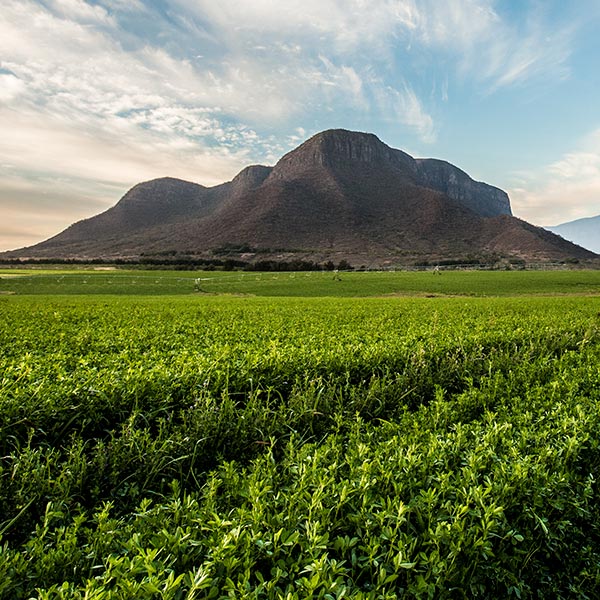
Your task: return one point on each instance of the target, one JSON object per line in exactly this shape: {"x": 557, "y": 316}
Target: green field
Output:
{"x": 306, "y": 284}
{"x": 287, "y": 436}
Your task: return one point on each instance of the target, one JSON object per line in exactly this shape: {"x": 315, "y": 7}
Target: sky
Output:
{"x": 98, "y": 95}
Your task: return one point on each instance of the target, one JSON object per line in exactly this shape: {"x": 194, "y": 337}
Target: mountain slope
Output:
{"x": 339, "y": 194}
{"x": 584, "y": 232}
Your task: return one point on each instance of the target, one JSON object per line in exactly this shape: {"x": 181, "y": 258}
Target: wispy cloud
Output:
{"x": 490, "y": 48}
{"x": 403, "y": 106}
{"x": 533, "y": 55}
{"x": 83, "y": 79}
{"x": 343, "y": 26}
{"x": 10, "y": 87}
{"x": 81, "y": 11}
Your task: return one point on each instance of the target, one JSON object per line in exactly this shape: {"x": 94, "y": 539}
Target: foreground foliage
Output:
{"x": 298, "y": 448}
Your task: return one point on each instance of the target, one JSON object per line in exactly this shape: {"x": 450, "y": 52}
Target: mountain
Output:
{"x": 584, "y": 232}
{"x": 339, "y": 195}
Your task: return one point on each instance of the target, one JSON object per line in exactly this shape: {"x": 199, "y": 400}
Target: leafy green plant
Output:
{"x": 217, "y": 447}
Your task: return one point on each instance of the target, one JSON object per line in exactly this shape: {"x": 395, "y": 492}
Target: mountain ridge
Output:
{"x": 339, "y": 194}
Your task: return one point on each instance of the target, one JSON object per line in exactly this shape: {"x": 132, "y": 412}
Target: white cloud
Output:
{"x": 81, "y": 84}
{"x": 81, "y": 11}
{"x": 88, "y": 77}
{"x": 345, "y": 24}
{"x": 71, "y": 67}
{"x": 114, "y": 152}
{"x": 53, "y": 175}
{"x": 308, "y": 58}
{"x": 403, "y": 106}
{"x": 576, "y": 166}
{"x": 10, "y": 87}
{"x": 485, "y": 45}
{"x": 565, "y": 190}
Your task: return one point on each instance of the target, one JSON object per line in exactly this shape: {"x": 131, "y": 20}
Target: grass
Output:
{"x": 208, "y": 445}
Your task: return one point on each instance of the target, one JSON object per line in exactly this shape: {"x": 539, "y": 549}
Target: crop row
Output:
{"x": 299, "y": 448}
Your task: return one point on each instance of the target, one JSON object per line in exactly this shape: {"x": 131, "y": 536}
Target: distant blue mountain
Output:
{"x": 583, "y": 232}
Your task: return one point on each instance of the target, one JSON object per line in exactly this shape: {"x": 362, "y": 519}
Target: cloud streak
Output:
{"x": 491, "y": 49}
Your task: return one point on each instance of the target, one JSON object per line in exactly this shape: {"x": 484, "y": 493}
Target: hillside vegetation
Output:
{"x": 221, "y": 446}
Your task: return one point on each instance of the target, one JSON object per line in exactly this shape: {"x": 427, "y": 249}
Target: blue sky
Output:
{"x": 97, "y": 95}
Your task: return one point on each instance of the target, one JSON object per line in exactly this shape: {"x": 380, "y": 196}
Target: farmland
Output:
{"x": 275, "y": 436}
{"x": 306, "y": 284}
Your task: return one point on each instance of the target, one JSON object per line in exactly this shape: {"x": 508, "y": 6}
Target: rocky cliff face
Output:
{"x": 481, "y": 198}
{"x": 338, "y": 148}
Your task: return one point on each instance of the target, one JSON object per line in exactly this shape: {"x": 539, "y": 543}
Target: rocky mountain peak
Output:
{"x": 251, "y": 177}
{"x": 164, "y": 190}
{"x": 342, "y": 148}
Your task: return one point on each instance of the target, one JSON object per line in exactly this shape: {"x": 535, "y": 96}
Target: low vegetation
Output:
{"x": 213, "y": 446}
{"x": 140, "y": 282}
